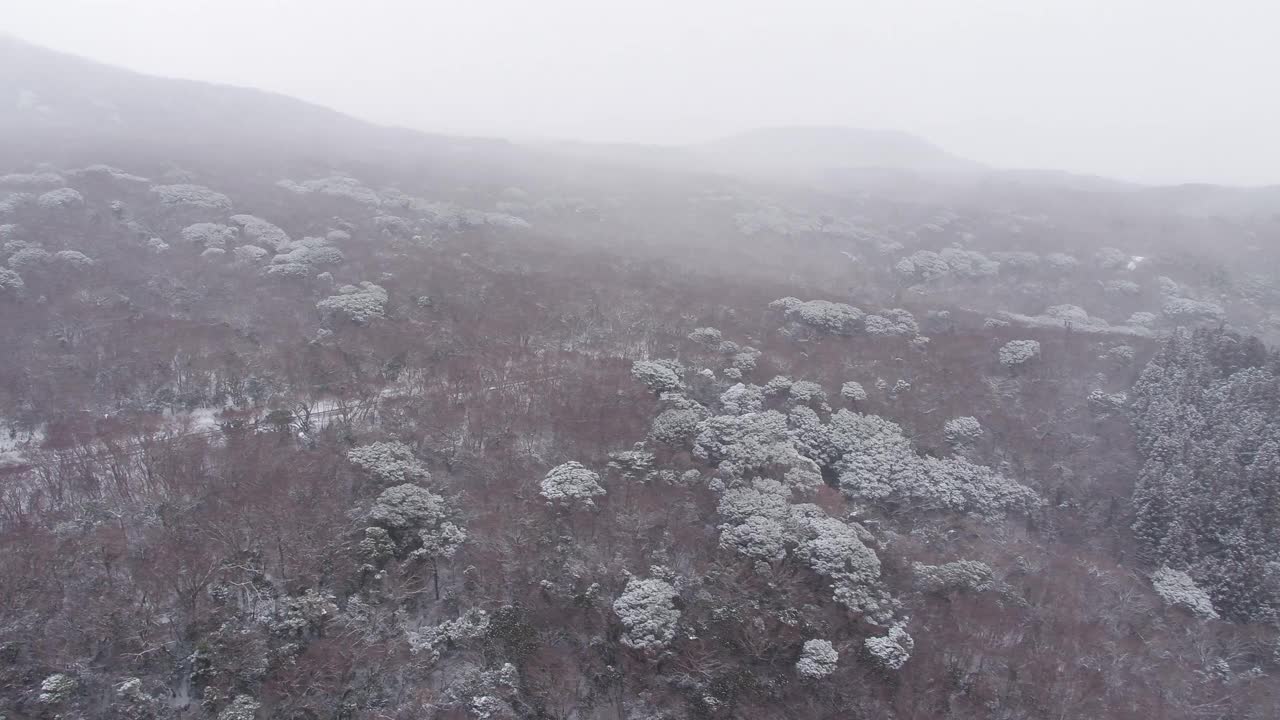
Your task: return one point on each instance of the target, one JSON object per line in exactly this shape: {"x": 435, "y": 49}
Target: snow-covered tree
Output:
{"x": 292, "y": 271}
{"x": 572, "y": 484}
{"x": 432, "y": 641}
{"x": 892, "y": 650}
{"x": 1061, "y": 262}
{"x": 11, "y": 283}
{"x": 421, "y": 524}
{"x": 817, "y": 660}
{"x": 742, "y": 444}
{"x": 73, "y": 259}
{"x": 853, "y": 391}
{"x": 60, "y": 199}
{"x": 826, "y": 316}
{"x": 836, "y": 550}
{"x": 647, "y": 611}
{"x": 632, "y": 465}
{"x": 959, "y": 575}
{"x": 361, "y": 304}
{"x": 658, "y": 376}
{"x": 779, "y": 385}
{"x": 968, "y": 264}
{"x": 1177, "y": 588}
{"x": 1019, "y": 352}
{"x": 708, "y": 336}
{"x": 757, "y": 537}
{"x": 192, "y": 196}
{"x": 742, "y": 398}
{"x": 1109, "y": 258}
{"x": 676, "y": 426}
{"x": 762, "y": 498}
{"x": 745, "y": 360}
{"x": 922, "y": 265}
{"x": 891, "y": 323}
{"x": 249, "y": 253}
{"x": 1185, "y": 310}
{"x": 244, "y": 707}
{"x": 315, "y": 252}
{"x": 806, "y": 392}
{"x": 34, "y": 180}
{"x": 56, "y": 689}
{"x": 962, "y": 430}
{"x": 208, "y": 235}
{"x": 1142, "y": 319}
{"x": 407, "y": 507}
{"x": 261, "y": 232}
{"x": 877, "y": 463}
{"x": 390, "y": 463}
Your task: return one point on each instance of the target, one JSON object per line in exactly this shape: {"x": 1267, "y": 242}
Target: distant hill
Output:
{"x": 833, "y": 148}
{"x": 55, "y": 106}
{"x": 59, "y": 102}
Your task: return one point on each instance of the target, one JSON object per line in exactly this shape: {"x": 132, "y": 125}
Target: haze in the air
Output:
{"x": 1149, "y": 90}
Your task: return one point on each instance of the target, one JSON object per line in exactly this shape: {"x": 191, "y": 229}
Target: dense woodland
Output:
{"x": 307, "y": 419}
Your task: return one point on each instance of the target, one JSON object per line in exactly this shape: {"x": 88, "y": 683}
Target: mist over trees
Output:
{"x": 305, "y": 418}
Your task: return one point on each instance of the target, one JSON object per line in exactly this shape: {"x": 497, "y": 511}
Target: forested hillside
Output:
{"x": 367, "y": 424}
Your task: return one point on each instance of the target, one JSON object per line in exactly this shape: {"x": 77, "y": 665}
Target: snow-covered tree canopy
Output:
{"x": 29, "y": 258}
{"x": 1017, "y": 260}
{"x": 56, "y": 689}
{"x": 208, "y": 235}
{"x": 1061, "y": 262}
{"x": 677, "y": 426}
{"x": 959, "y": 575}
{"x": 874, "y": 460}
{"x": 742, "y": 444}
{"x": 407, "y": 507}
{"x": 1180, "y": 309}
{"x": 192, "y": 196}
{"x": 107, "y": 172}
{"x": 647, "y": 610}
{"x": 962, "y": 430}
{"x": 360, "y": 304}
{"x": 823, "y": 315}
{"x": 1177, "y": 588}
{"x": 73, "y": 259}
{"x": 852, "y": 390}
{"x": 742, "y": 398}
{"x": 315, "y": 252}
{"x": 32, "y": 180}
{"x": 805, "y": 392}
{"x": 634, "y": 464}
{"x": 419, "y": 519}
{"x": 249, "y": 253}
{"x": 817, "y": 660}
{"x": 572, "y": 484}
{"x": 1142, "y": 319}
{"x": 10, "y": 282}
{"x": 893, "y": 650}
{"x": 708, "y": 336}
{"x": 60, "y": 199}
{"x": 261, "y": 232}
{"x": 1019, "y": 352}
{"x": 390, "y": 463}
{"x": 887, "y": 323}
{"x": 657, "y": 375}
{"x": 336, "y": 186}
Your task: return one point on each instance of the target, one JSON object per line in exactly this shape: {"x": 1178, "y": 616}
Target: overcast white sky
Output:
{"x": 1150, "y": 90}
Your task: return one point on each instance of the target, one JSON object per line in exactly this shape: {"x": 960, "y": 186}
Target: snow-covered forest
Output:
{"x": 305, "y": 418}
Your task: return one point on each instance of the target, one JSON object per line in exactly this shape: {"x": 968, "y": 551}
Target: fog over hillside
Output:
{"x": 305, "y": 416}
